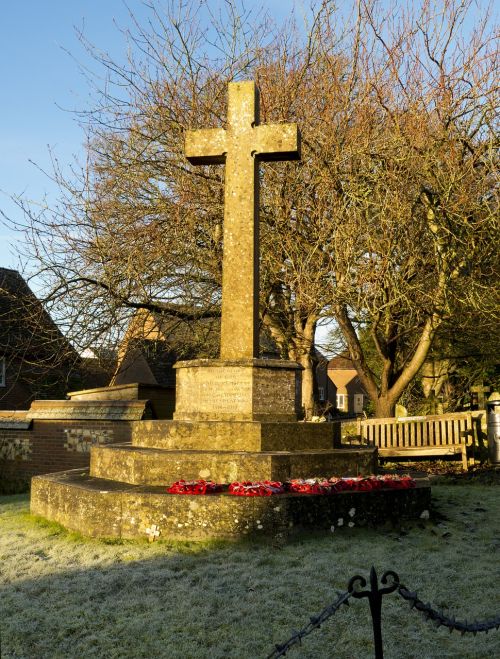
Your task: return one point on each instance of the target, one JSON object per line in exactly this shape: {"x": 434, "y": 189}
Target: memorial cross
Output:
{"x": 481, "y": 392}
{"x": 241, "y": 146}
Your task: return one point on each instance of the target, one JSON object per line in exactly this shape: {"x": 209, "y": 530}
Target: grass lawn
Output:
{"x": 66, "y": 596}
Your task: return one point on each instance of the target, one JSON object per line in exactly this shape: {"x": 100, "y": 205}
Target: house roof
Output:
{"x": 152, "y": 357}
{"x": 341, "y": 362}
{"x": 187, "y": 339}
{"x": 25, "y": 327}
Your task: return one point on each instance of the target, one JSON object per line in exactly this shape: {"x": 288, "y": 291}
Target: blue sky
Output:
{"x": 41, "y": 84}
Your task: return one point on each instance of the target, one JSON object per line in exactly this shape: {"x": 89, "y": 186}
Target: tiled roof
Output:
{"x": 25, "y": 327}
{"x": 341, "y": 362}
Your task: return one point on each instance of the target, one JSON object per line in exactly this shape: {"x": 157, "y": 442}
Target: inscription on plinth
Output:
{"x": 111, "y": 410}
{"x": 226, "y": 393}
{"x": 254, "y": 390}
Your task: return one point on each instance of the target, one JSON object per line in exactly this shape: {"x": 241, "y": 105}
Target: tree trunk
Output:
{"x": 386, "y": 394}
{"x": 385, "y": 407}
{"x": 308, "y": 403}
{"x": 306, "y": 330}
{"x": 298, "y": 346}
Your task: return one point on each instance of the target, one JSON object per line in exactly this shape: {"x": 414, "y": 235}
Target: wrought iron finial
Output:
{"x": 374, "y": 595}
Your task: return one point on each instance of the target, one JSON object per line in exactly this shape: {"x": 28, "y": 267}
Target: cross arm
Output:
{"x": 277, "y": 142}
{"x": 206, "y": 146}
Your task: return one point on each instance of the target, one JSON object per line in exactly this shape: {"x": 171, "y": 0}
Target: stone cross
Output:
{"x": 241, "y": 146}
{"x": 481, "y": 392}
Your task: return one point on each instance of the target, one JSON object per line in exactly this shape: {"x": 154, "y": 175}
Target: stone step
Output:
{"x": 235, "y": 435}
{"x": 150, "y": 466}
{"x": 101, "y": 508}
{"x": 98, "y": 410}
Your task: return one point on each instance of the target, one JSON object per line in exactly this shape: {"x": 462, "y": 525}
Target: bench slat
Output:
{"x": 451, "y": 449}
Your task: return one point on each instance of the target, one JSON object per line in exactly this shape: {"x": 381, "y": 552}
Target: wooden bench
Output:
{"x": 422, "y": 436}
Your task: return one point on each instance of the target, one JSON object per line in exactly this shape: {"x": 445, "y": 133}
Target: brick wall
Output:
{"x": 52, "y": 445}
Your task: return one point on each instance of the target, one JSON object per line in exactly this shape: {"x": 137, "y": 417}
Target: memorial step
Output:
{"x": 235, "y": 435}
{"x": 101, "y": 508}
{"x": 150, "y": 466}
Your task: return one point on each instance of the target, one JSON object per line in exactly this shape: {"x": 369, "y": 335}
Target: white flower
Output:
{"x": 332, "y": 528}
{"x": 425, "y": 514}
{"x": 352, "y": 512}
{"x": 153, "y": 532}
{"x": 350, "y": 525}
{"x": 340, "y": 521}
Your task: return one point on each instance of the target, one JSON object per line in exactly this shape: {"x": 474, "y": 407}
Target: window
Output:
{"x": 321, "y": 394}
{"x": 341, "y": 401}
{"x": 2, "y": 371}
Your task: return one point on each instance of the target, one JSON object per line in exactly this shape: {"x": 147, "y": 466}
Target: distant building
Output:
{"x": 35, "y": 358}
{"x": 153, "y": 343}
{"x": 325, "y": 393}
{"x": 344, "y": 389}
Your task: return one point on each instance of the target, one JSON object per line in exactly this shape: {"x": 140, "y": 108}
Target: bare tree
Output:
{"x": 387, "y": 223}
{"x": 421, "y": 193}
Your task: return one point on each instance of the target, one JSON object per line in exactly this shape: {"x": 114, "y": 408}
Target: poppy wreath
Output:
{"x": 309, "y": 486}
{"x": 195, "y": 487}
{"x": 257, "y": 489}
{"x": 370, "y": 483}
{"x": 297, "y": 485}
{"x": 398, "y": 482}
{"x": 359, "y": 484}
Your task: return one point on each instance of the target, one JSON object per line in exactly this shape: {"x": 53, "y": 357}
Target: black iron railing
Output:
{"x": 390, "y": 583}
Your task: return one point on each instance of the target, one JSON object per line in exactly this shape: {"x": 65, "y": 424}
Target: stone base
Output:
{"x": 244, "y": 390}
{"x": 85, "y": 410}
{"x": 148, "y": 466}
{"x": 101, "y": 508}
{"x": 161, "y": 399}
{"x": 235, "y": 435}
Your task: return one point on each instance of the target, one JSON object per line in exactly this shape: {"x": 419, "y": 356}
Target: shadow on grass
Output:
{"x": 68, "y": 596}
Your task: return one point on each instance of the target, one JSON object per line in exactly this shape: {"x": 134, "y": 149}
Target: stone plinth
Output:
{"x": 103, "y": 508}
{"x": 243, "y": 390}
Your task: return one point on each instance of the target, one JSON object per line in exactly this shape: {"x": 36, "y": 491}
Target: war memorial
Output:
{"x": 236, "y": 417}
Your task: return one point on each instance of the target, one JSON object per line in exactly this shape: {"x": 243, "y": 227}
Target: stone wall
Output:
{"x": 47, "y": 446}
{"x": 349, "y": 431}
